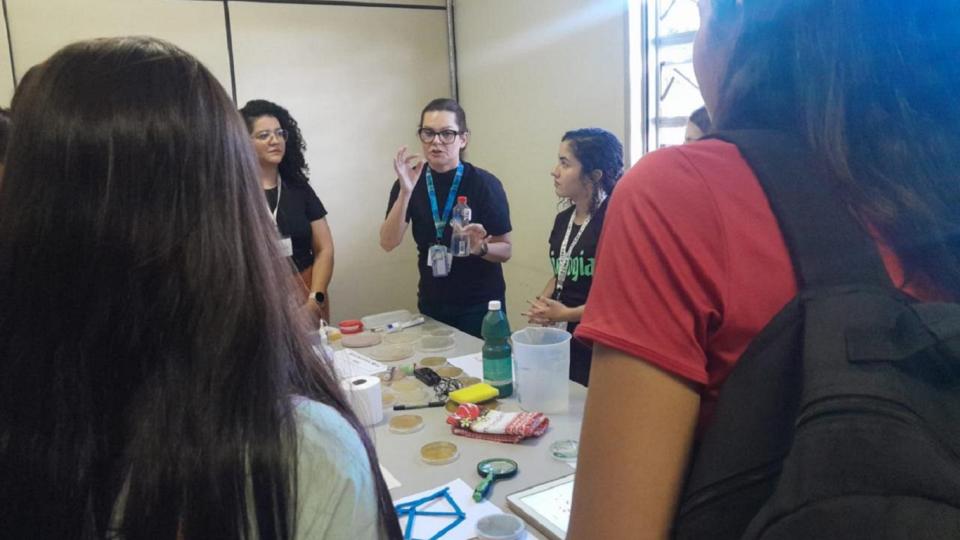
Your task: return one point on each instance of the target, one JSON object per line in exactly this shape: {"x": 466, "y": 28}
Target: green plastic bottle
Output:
{"x": 497, "y": 358}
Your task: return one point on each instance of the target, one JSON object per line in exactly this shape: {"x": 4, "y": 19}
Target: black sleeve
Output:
{"x": 394, "y": 195}
{"x": 315, "y": 209}
{"x": 497, "y": 211}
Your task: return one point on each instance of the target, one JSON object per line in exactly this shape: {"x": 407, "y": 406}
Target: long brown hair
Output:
{"x": 148, "y": 348}
{"x": 871, "y": 86}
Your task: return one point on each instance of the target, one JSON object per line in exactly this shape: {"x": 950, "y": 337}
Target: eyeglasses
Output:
{"x": 428, "y": 135}
{"x": 265, "y": 135}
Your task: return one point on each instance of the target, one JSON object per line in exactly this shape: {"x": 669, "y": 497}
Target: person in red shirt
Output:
{"x": 692, "y": 265}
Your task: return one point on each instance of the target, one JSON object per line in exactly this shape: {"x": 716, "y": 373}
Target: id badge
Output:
{"x": 286, "y": 247}
{"x": 439, "y": 259}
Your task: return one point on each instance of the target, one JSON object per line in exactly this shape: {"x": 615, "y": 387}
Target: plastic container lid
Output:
{"x": 494, "y": 305}
{"x": 351, "y": 326}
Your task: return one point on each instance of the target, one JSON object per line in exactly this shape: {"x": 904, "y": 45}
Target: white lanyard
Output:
{"x": 273, "y": 213}
{"x": 276, "y": 208}
{"x": 563, "y": 262}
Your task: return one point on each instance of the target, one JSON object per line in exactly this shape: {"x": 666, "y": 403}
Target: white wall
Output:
{"x": 354, "y": 77}
{"x": 39, "y": 27}
{"x": 530, "y": 70}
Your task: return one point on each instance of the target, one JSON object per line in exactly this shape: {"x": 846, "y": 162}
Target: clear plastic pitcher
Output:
{"x": 541, "y": 357}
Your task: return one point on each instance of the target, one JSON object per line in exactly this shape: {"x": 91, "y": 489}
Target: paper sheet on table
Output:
{"x": 349, "y": 363}
{"x": 471, "y": 364}
{"x": 428, "y": 526}
{"x": 389, "y": 478}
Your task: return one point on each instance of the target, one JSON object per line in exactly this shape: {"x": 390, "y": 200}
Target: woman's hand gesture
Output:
{"x": 408, "y": 169}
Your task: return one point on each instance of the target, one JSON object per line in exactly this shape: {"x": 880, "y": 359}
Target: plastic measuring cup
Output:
{"x": 541, "y": 357}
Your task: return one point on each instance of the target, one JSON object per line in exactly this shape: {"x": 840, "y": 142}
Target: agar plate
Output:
{"x": 449, "y": 372}
{"x": 406, "y": 423}
{"x": 401, "y": 338}
{"x": 406, "y": 385}
{"x": 433, "y": 361}
{"x": 439, "y": 453}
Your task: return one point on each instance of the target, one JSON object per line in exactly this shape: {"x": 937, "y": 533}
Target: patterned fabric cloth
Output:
{"x": 475, "y": 422}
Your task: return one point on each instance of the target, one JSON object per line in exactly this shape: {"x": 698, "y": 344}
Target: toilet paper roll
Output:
{"x": 363, "y": 394}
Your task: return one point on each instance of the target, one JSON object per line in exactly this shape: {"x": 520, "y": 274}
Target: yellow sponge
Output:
{"x": 475, "y": 393}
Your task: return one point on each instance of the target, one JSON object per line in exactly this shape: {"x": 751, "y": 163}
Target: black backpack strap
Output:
{"x": 827, "y": 246}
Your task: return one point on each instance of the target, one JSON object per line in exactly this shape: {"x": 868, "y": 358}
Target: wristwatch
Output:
{"x": 318, "y": 296}
{"x": 484, "y": 249}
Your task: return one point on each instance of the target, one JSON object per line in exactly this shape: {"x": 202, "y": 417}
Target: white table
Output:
{"x": 400, "y": 454}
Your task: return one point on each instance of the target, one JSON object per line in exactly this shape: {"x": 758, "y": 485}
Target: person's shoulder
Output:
{"x": 336, "y": 489}
{"x": 326, "y": 435}
{"x": 685, "y": 169}
{"x": 296, "y": 184}
{"x": 563, "y": 216}
{"x": 482, "y": 174}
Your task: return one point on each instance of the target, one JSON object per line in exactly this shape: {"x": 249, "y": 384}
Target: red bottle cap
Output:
{"x": 462, "y": 199}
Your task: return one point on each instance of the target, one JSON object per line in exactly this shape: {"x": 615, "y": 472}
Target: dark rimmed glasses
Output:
{"x": 428, "y": 135}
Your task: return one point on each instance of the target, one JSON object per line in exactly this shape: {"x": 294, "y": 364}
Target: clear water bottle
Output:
{"x": 497, "y": 357}
{"x": 460, "y": 242}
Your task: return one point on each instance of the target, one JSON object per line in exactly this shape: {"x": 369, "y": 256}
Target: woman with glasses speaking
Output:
{"x": 451, "y": 290}
{"x": 300, "y": 216}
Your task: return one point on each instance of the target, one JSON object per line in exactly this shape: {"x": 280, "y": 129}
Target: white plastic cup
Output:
{"x": 541, "y": 357}
{"x": 501, "y": 527}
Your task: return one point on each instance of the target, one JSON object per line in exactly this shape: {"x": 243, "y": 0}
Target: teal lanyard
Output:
{"x": 440, "y": 222}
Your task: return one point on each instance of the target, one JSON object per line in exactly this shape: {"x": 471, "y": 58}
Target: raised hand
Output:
{"x": 408, "y": 169}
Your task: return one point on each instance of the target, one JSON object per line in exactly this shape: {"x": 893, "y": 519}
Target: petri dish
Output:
{"x": 565, "y": 450}
{"x": 406, "y": 423}
{"x": 449, "y": 372}
{"x": 433, "y": 361}
{"x": 406, "y": 384}
{"x": 388, "y": 398}
{"x": 390, "y": 353}
{"x": 442, "y": 332}
{"x": 435, "y": 343}
{"x": 430, "y": 326}
{"x": 470, "y": 381}
{"x": 439, "y": 453}
{"x": 401, "y": 338}
{"x": 357, "y": 341}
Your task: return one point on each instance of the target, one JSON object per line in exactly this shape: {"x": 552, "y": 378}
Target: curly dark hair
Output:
{"x": 597, "y": 150}
{"x": 293, "y": 167}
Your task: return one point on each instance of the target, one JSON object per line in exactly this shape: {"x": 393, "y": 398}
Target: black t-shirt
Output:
{"x": 299, "y": 207}
{"x": 582, "y": 260}
{"x": 472, "y": 280}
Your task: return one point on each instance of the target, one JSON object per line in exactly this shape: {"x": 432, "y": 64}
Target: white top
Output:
{"x": 336, "y": 495}
{"x": 494, "y": 305}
